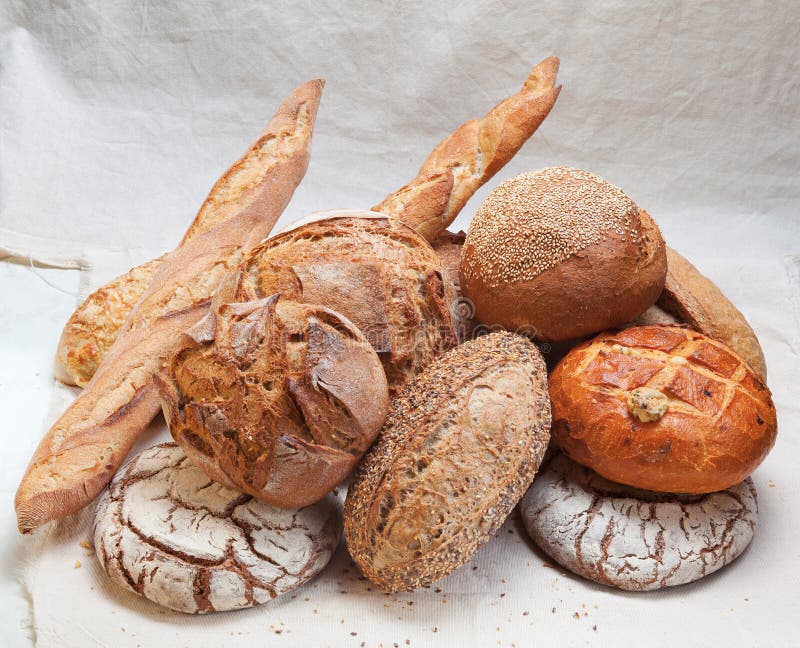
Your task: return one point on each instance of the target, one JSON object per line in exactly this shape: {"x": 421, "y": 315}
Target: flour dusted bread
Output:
{"x": 561, "y": 253}
{"x": 165, "y": 531}
{"x": 662, "y": 408}
{"x": 377, "y": 272}
{"x": 631, "y": 539}
{"x": 460, "y": 446}
{"x": 275, "y": 398}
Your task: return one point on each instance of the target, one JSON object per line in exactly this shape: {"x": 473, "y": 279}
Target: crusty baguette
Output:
{"x": 84, "y": 448}
{"x": 472, "y": 154}
{"x": 96, "y": 322}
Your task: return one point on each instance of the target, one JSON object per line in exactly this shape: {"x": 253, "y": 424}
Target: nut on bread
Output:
{"x": 275, "y": 398}
{"x": 461, "y": 445}
{"x": 662, "y": 408}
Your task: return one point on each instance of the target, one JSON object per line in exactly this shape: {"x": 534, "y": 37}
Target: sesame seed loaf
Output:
{"x": 371, "y": 268}
{"x": 459, "y": 448}
{"x": 274, "y": 398}
{"x": 561, "y": 253}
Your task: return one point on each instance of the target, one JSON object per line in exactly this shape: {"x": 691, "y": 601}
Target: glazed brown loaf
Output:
{"x": 86, "y": 445}
{"x": 662, "y": 408}
{"x": 459, "y": 448}
{"x": 374, "y": 270}
{"x": 274, "y": 398}
{"x": 560, "y": 254}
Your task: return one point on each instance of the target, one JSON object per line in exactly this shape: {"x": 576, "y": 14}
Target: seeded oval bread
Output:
{"x": 165, "y": 531}
{"x": 561, "y": 254}
{"x": 274, "y": 398}
{"x": 632, "y": 539}
{"x": 662, "y": 408}
{"x": 459, "y": 448}
{"x": 377, "y": 272}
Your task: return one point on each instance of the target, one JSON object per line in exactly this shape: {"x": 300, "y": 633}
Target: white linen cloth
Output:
{"x": 117, "y": 117}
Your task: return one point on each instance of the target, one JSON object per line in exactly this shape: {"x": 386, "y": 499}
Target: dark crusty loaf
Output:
{"x": 374, "y": 270}
{"x": 275, "y": 398}
{"x": 459, "y": 448}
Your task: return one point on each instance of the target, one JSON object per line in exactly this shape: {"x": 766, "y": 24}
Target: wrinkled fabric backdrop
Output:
{"x": 117, "y": 117}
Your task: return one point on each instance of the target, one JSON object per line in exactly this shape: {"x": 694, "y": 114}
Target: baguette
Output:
{"x": 472, "y": 154}
{"x": 83, "y": 449}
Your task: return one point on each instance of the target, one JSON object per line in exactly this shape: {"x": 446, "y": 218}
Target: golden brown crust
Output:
{"x": 459, "y": 448}
{"x": 84, "y": 447}
{"x": 377, "y": 272}
{"x": 275, "y": 398}
{"x": 696, "y": 300}
{"x": 709, "y": 418}
{"x": 472, "y": 154}
{"x": 560, "y": 254}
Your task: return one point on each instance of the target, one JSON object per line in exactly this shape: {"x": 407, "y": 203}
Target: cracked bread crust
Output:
{"x": 275, "y": 398}
{"x": 165, "y": 531}
{"x": 635, "y": 540}
{"x": 374, "y": 270}
{"x": 718, "y": 425}
{"x": 459, "y": 448}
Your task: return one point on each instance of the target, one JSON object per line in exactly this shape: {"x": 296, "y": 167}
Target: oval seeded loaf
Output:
{"x": 459, "y": 448}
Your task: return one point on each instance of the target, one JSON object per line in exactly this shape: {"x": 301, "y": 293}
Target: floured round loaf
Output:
{"x": 166, "y": 531}
{"x": 275, "y": 398}
{"x": 460, "y": 446}
{"x": 374, "y": 270}
{"x": 633, "y": 539}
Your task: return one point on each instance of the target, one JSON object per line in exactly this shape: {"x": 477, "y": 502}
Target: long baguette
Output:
{"x": 84, "y": 448}
{"x": 96, "y": 322}
{"x": 472, "y": 154}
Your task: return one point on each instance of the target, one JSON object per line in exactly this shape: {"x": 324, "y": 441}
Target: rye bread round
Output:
{"x": 377, "y": 272}
{"x": 275, "y": 398}
{"x": 460, "y": 446}
{"x": 167, "y": 532}
{"x": 632, "y": 539}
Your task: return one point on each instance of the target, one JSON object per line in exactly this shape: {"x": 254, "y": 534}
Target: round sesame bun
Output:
{"x": 560, "y": 254}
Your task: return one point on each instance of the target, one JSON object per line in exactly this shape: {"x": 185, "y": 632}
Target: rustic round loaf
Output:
{"x": 165, "y": 531}
{"x": 374, "y": 270}
{"x": 632, "y": 539}
{"x": 275, "y": 398}
{"x": 562, "y": 253}
{"x": 460, "y": 446}
{"x": 662, "y": 408}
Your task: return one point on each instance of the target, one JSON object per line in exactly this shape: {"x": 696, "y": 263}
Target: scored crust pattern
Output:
{"x": 164, "y": 530}
{"x": 719, "y": 423}
{"x": 631, "y": 539}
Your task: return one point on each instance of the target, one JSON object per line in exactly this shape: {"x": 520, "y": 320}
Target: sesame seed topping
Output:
{"x": 533, "y": 221}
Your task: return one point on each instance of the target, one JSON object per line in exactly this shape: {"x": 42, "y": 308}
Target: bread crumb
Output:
{"x": 86, "y": 545}
{"x": 577, "y": 615}
{"x": 77, "y": 564}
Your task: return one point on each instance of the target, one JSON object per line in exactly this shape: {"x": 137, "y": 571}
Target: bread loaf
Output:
{"x": 448, "y": 248}
{"x": 374, "y": 270}
{"x": 274, "y": 398}
{"x": 561, "y": 254}
{"x": 631, "y": 539}
{"x": 662, "y": 408}
{"x": 165, "y": 531}
{"x": 459, "y": 448}
{"x": 85, "y": 446}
